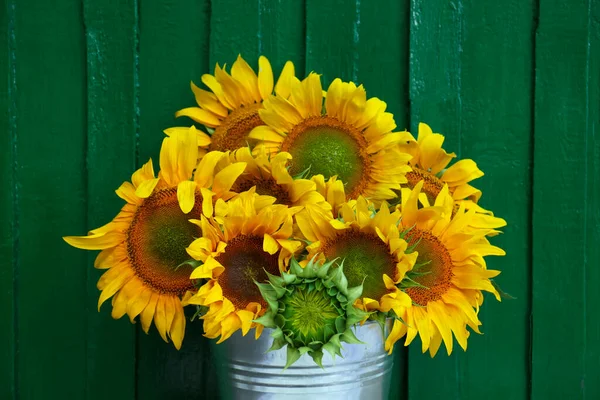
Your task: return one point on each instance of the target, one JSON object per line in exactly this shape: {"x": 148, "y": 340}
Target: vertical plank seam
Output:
{"x": 136, "y": 127}
{"x": 355, "y": 41}
{"x": 259, "y": 35}
{"x": 585, "y": 191}
{"x": 531, "y": 194}
{"x": 405, "y": 392}
{"x": 459, "y": 51}
{"x": 86, "y": 146}
{"x": 12, "y": 116}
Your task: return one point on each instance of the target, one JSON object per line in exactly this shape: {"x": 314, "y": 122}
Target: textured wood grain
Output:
{"x": 281, "y": 33}
{"x": 471, "y": 79}
{"x": 9, "y": 225}
{"x": 566, "y": 350}
{"x": 111, "y": 68}
{"x": 173, "y": 45}
{"x": 51, "y": 180}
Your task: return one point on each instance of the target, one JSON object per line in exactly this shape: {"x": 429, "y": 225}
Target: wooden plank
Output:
{"x": 173, "y": 51}
{"x": 51, "y": 180}
{"x": 367, "y": 46}
{"x": 280, "y": 34}
{"x": 336, "y": 56}
{"x": 566, "y": 350}
{"x": 9, "y": 226}
{"x": 463, "y": 70}
{"x": 111, "y": 50}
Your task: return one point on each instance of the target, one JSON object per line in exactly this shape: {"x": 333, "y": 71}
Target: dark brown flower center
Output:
{"x": 265, "y": 186}
{"x": 366, "y": 258}
{"x": 234, "y": 129}
{"x": 433, "y": 268}
{"x": 156, "y": 242}
{"x": 245, "y": 261}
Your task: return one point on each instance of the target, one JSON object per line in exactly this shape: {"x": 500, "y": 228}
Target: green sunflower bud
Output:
{"x": 311, "y": 310}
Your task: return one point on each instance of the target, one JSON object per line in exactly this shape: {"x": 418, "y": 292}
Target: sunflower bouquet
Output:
{"x": 303, "y": 211}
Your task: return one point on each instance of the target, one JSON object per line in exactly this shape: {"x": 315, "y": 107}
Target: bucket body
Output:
{"x": 247, "y": 371}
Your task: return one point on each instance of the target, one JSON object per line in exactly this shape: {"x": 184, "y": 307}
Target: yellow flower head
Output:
{"x": 249, "y": 244}
{"x": 144, "y": 245}
{"x": 347, "y": 135}
{"x": 367, "y": 244}
{"x": 429, "y": 162}
{"x": 449, "y": 275}
{"x": 271, "y": 179}
{"x": 231, "y": 106}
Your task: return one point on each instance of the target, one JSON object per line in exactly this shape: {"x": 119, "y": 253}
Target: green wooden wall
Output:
{"x": 88, "y": 85}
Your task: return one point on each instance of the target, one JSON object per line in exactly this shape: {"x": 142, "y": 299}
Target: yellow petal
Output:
{"x": 246, "y": 317}
{"x": 127, "y": 192}
{"x": 245, "y": 76}
{"x": 205, "y": 171}
{"x": 137, "y": 304}
{"x": 96, "y": 242}
{"x": 178, "y": 156}
{"x": 208, "y": 101}
{"x": 178, "y": 328}
{"x": 461, "y": 172}
{"x": 207, "y": 202}
{"x": 225, "y": 178}
{"x": 186, "y": 195}
{"x": 270, "y": 245}
{"x": 210, "y": 269}
{"x": 265, "y": 77}
{"x": 199, "y": 115}
{"x": 284, "y": 83}
{"x": 228, "y": 326}
{"x": 145, "y": 189}
{"x": 160, "y": 318}
{"x": 143, "y": 174}
{"x": 148, "y": 313}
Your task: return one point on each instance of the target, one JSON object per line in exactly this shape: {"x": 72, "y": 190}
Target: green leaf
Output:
{"x": 331, "y": 349}
{"x": 274, "y": 279}
{"x": 317, "y": 357}
{"x": 502, "y": 293}
{"x": 340, "y": 324}
{"x": 288, "y": 278}
{"x": 354, "y": 293}
{"x": 192, "y": 263}
{"x": 277, "y": 344}
{"x": 292, "y": 356}
{"x": 380, "y": 318}
{"x": 266, "y": 320}
{"x": 349, "y": 337}
{"x": 295, "y": 268}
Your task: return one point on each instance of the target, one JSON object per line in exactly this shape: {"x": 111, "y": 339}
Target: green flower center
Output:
{"x": 432, "y": 270}
{"x": 310, "y": 314}
{"x": 366, "y": 258}
{"x": 157, "y": 238}
{"x": 324, "y": 145}
{"x": 245, "y": 261}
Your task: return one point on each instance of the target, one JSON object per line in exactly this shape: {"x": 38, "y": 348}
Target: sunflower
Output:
{"x": 351, "y": 137}
{"x": 249, "y": 245}
{"x": 232, "y": 104}
{"x": 429, "y": 162}
{"x": 450, "y": 273}
{"x": 272, "y": 180}
{"x": 144, "y": 247}
{"x": 367, "y": 244}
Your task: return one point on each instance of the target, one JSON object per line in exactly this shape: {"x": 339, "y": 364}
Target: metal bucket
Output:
{"x": 246, "y": 371}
